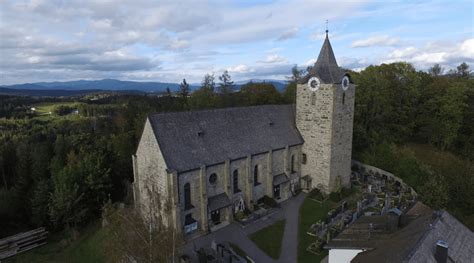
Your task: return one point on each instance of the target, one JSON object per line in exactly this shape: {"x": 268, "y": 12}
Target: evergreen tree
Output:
{"x": 436, "y": 70}
{"x": 226, "y": 84}
{"x": 208, "y": 82}
{"x": 463, "y": 70}
{"x": 184, "y": 92}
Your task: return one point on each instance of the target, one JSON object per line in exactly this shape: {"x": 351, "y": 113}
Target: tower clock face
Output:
{"x": 345, "y": 83}
{"x": 314, "y": 83}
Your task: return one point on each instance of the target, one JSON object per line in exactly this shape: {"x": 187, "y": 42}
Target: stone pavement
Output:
{"x": 237, "y": 234}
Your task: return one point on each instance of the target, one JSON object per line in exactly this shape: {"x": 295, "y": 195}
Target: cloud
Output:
{"x": 382, "y": 40}
{"x": 239, "y": 69}
{"x": 288, "y": 34}
{"x": 272, "y": 59}
{"x": 449, "y": 55}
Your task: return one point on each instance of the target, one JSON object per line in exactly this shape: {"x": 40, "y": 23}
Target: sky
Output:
{"x": 166, "y": 41}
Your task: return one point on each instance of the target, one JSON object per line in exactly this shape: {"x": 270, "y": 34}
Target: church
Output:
{"x": 210, "y": 164}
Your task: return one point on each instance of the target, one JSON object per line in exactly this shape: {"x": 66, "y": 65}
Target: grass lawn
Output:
{"x": 310, "y": 213}
{"x": 43, "y": 109}
{"x": 269, "y": 238}
{"x": 239, "y": 251}
{"x": 87, "y": 248}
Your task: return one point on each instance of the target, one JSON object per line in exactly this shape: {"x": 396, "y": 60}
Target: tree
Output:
{"x": 226, "y": 83}
{"x": 436, "y": 70}
{"x": 296, "y": 74}
{"x": 434, "y": 192}
{"x": 184, "y": 91}
{"x": 260, "y": 93}
{"x": 289, "y": 94}
{"x": 225, "y": 90}
{"x": 463, "y": 70}
{"x": 40, "y": 202}
{"x": 208, "y": 82}
{"x": 385, "y": 104}
{"x": 442, "y": 112}
{"x": 79, "y": 190}
{"x": 139, "y": 234}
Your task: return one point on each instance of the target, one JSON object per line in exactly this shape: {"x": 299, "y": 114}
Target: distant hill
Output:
{"x": 58, "y": 92}
{"x": 74, "y": 88}
{"x": 279, "y": 84}
{"x": 104, "y": 84}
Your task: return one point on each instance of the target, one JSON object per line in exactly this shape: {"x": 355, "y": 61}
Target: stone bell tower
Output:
{"x": 324, "y": 117}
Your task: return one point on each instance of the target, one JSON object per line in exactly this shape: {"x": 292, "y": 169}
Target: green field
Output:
{"x": 87, "y": 248}
{"x": 310, "y": 213}
{"x": 45, "y": 110}
{"x": 269, "y": 238}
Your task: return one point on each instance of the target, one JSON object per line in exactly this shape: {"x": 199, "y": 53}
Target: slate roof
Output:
{"x": 414, "y": 242}
{"x": 326, "y": 68}
{"x": 218, "y": 201}
{"x": 194, "y": 138}
{"x": 279, "y": 179}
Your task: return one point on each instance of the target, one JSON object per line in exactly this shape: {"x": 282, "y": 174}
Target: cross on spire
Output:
{"x": 327, "y": 27}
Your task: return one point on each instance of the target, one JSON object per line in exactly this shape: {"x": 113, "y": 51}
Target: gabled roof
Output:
{"x": 218, "y": 201}
{"x": 414, "y": 242}
{"x": 194, "y": 138}
{"x": 326, "y": 68}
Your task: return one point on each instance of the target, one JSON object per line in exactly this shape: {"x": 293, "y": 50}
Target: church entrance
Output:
{"x": 276, "y": 192}
{"x": 216, "y": 217}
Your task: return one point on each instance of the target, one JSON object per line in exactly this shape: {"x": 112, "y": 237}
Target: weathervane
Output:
{"x": 327, "y": 27}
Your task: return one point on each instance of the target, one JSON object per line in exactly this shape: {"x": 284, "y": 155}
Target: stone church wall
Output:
{"x": 259, "y": 190}
{"x": 314, "y": 121}
{"x": 191, "y": 177}
{"x": 342, "y": 136}
{"x": 278, "y": 165}
{"x": 150, "y": 170}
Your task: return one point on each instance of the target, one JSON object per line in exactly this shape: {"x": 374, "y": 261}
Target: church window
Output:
{"x": 235, "y": 181}
{"x": 293, "y": 163}
{"x": 187, "y": 196}
{"x": 304, "y": 158}
{"x": 255, "y": 175}
{"x": 313, "y": 98}
{"x": 213, "y": 178}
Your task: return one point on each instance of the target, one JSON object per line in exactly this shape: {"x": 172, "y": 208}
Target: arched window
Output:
{"x": 235, "y": 181}
{"x": 187, "y": 196}
{"x": 293, "y": 163}
{"x": 255, "y": 175}
{"x": 343, "y": 98}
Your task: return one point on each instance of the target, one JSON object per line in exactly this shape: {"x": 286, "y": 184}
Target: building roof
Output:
{"x": 413, "y": 242}
{"x": 279, "y": 179}
{"x": 191, "y": 139}
{"x": 218, "y": 201}
{"x": 326, "y": 68}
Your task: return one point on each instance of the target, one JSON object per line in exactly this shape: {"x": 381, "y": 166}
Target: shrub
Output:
{"x": 345, "y": 192}
{"x": 269, "y": 201}
{"x": 239, "y": 215}
{"x": 316, "y": 194}
{"x": 335, "y": 197}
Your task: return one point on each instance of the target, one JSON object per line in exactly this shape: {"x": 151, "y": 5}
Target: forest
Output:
{"x": 63, "y": 160}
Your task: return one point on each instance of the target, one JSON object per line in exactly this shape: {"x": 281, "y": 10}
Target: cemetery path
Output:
{"x": 236, "y": 234}
{"x": 289, "y": 246}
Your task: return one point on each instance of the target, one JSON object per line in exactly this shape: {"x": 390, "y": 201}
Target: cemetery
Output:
{"x": 374, "y": 192}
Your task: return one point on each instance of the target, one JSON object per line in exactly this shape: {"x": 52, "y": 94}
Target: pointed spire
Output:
{"x": 326, "y": 55}
{"x": 326, "y": 67}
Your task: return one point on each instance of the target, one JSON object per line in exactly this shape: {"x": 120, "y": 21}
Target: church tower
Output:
{"x": 324, "y": 117}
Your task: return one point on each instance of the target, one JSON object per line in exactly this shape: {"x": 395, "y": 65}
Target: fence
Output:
{"x": 12, "y": 245}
